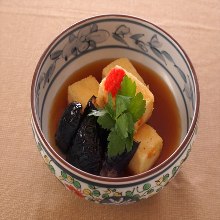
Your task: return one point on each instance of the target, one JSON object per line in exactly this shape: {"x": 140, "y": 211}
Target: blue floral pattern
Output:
{"x": 154, "y": 45}
{"x": 91, "y": 36}
{"x": 86, "y": 38}
{"x": 78, "y": 43}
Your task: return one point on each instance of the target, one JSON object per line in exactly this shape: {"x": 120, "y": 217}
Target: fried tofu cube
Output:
{"x": 81, "y": 91}
{"x": 148, "y": 150}
{"x": 125, "y": 64}
{"x": 102, "y": 97}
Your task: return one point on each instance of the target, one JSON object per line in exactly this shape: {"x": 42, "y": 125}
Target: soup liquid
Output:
{"x": 165, "y": 118}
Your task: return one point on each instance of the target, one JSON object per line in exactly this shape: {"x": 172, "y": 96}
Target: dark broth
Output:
{"x": 165, "y": 118}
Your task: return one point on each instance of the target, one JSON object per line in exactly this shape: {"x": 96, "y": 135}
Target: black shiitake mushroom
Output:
{"x": 115, "y": 166}
{"x": 87, "y": 150}
{"x": 68, "y": 126}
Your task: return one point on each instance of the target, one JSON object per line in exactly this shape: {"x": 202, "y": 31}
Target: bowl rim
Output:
{"x": 119, "y": 180}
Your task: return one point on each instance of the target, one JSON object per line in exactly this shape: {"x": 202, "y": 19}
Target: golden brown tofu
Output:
{"x": 148, "y": 150}
{"x": 125, "y": 64}
{"x": 81, "y": 91}
{"x": 102, "y": 97}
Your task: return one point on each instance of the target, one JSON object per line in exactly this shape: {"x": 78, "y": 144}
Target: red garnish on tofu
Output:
{"x": 113, "y": 81}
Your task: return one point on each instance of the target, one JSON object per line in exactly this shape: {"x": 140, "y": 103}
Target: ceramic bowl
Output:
{"x": 111, "y": 36}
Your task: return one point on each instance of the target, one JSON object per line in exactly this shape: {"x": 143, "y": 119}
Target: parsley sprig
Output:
{"x": 120, "y": 117}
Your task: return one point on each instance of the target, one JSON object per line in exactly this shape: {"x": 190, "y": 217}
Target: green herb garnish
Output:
{"x": 120, "y": 119}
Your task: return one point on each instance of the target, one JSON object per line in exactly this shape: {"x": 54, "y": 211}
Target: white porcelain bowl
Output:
{"x": 111, "y": 36}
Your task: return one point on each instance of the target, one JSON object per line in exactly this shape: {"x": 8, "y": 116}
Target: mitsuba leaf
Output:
{"x": 128, "y": 88}
{"x": 129, "y": 143}
{"x": 137, "y": 106}
{"x": 106, "y": 121}
{"x": 122, "y": 103}
{"x": 130, "y": 123}
{"x": 109, "y": 106}
{"x": 116, "y": 145}
{"x": 122, "y": 126}
{"x": 97, "y": 113}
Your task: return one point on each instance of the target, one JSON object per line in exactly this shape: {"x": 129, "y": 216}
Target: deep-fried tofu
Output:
{"x": 148, "y": 150}
{"x": 81, "y": 91}
{"x": 125, "y": 64}
{"x": 102, "y": 97}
